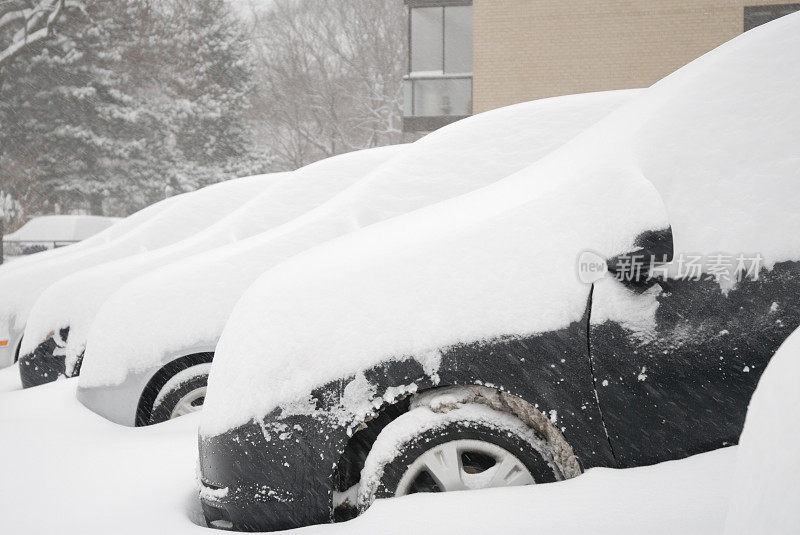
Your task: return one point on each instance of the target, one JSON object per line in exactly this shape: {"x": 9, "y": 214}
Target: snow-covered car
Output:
{"x": 164, "y": 373}
{"x": 55, "y": 335}
{"x": 12, "y": 335}
{"x": 167, "y": 222}
{"x": 109, "y": 234}
{"x": 504, "y": 337}
{"x": 49, "y": 232}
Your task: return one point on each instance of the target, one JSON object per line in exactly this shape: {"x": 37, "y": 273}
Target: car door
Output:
{"x": 676, "y": 360}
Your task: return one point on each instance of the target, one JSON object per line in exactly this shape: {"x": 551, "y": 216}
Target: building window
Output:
{"x": 758, "y": 15}
{"x": 438, "y": 86}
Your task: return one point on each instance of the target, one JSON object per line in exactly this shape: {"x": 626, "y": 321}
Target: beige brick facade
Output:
{"x": 528, "y": 49}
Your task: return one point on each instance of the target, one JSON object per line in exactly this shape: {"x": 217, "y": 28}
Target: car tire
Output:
{"x": 470, "y": 447}
{"x": 182, "y": 394}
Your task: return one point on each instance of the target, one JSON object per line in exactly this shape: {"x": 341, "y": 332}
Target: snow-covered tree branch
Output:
{"x": 329, "y": 76}
{"x": 36, "y": 21}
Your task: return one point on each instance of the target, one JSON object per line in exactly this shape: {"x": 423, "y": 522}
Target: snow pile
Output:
{"x": 61, "y": 228}
{"x": 453, "y": 160}
{"x": 69, "y": 471}
{"x": 766, "y": 490}
{"x": 73, "y": 301}
{"x": 501, "y": 261}
{"x": 183, "y": 217}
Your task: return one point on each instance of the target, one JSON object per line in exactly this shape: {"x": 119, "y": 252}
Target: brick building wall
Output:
{"x": 529, "y": 49}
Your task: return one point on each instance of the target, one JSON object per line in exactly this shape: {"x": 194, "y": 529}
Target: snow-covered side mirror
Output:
{"x": 652, "y": 249}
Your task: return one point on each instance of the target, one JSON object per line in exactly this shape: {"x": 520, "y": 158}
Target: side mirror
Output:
{"x": 652, "y": 250}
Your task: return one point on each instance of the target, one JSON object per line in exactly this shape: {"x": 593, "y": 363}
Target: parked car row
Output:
{"x": 581, "y": 281}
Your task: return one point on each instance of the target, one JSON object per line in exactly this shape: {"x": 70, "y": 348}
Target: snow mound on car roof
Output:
{"x": 766, "y": 491}
{"x": 189, "y": 214}
{"x": 74, "y": 300}
{"x": 453, "y": 160}
{"x": 718, "y": 139}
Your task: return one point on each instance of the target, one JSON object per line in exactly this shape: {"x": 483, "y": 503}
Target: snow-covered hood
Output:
{"x": 183, "y": 217}
{"x": 716, "y": 140}
{"x": 74, "y": 300}
{"x": 451, "y": 161}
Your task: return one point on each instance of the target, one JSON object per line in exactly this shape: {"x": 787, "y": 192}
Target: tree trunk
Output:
{"x": 96, "y": 205}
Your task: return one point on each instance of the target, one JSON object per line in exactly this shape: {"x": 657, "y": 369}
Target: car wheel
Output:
{"x": 469, "y": 447}
{"x": 182, "y": 394}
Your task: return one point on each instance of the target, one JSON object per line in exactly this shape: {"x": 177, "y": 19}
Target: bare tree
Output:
{"x": 31, "y": 22}
{"x": 329, "y": 75}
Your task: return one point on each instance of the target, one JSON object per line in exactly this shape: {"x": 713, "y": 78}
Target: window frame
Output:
{"x": 413, "y": 122}
{"x": 750, "y": 13}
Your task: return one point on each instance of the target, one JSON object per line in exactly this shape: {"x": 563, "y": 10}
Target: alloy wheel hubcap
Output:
{"x": 191, "y": 402}
{"x": 464, "y": 465}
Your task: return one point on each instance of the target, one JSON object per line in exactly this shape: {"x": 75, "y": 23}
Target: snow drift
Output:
{"x": 716, "y": 139}
{"x": 766, "y": 492}
{"x": 180, "y": 218}
{"x": 74, "y": 300}
{"x": 453, "y": 160}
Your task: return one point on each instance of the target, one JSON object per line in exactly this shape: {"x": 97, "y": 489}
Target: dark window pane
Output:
{"x": 758, "y": 15}
{"x": 458, "y": 39}
{"x": 426, "y": 39}
{"x": 442, "y": 97}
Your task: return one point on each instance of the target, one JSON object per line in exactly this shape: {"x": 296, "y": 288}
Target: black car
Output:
{"x": 457, "y": 348}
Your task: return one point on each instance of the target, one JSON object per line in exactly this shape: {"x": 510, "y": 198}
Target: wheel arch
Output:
{"x": 365, "y": 433}
{"x": 548, "y": 375}
{"x": 160, "y": 378}
{"x": 17, "y": 350}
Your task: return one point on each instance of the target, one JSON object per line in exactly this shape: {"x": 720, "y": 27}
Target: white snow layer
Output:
{"x": 189, "y": 214}
{"x": 453, "y": 160}
{"x": 74, "y": 300}
{"x": 766, "y": 492}
{"x": 718, "y": 139}
{"x": 69, "y": 471}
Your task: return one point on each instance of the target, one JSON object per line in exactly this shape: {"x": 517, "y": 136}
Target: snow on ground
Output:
{"x": 451, "y": 161}
{"x": 66, "y": 470}
{"x": 767, "y": 491}
{"x": 710, "y": 150}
